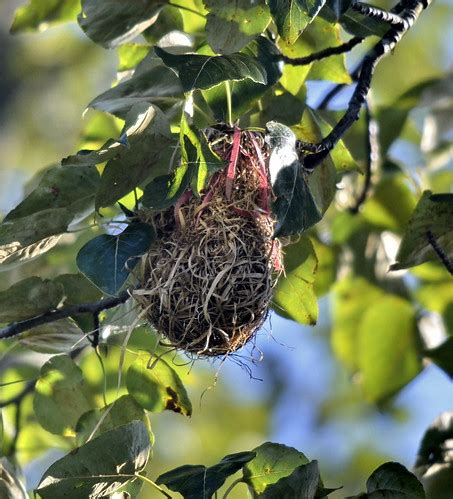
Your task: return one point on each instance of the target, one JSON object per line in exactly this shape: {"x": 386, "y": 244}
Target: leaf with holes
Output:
{"x": 108, "y": 260}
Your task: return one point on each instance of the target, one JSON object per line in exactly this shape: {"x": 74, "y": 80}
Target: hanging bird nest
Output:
{"x": 206, "y": 284}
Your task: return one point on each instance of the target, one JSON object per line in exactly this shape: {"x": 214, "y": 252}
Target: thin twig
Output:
{"x": 372, "y": 152}
{"x": 337, "y": 89}
{"x": 447, "y": 263}
{"x": 322, "y": 54}
{"x": 411, "y": 9}
{"x": 54, "y": 315}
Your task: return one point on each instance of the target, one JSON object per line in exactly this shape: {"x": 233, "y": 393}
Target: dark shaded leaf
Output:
{"x": 434, "y": 214}
{"x": 54, "y": 337}
{"x": 199, "y": 482}
{"x": 151, "y": 82}
{"x": 203, "y": 71}
{"x": 245, "y": 93}
{"x": 61, "y": 187}
{"x": 120, "y": 412}
{"x": 29, "y": 298}
{"x": 61, "y": 396}
{"x": 112, "y": 22}
{"x": 100, "y": 467}
{"x": 156, "y": 386}
{"x": 107, "y": 260}
{"x": 231, "y": 26}
{"x": 394, "y": 481}
{"x": 148, "y": 138}
{"x": 294, "y": 295}
{"x": 38, "y": 14}
{"x": 293, "y": 16}
{"x": 302, "y": 483}
{"x": 388, "y": 356}
{"x": 442, "y": 355}
{"x": 272, "y": 462}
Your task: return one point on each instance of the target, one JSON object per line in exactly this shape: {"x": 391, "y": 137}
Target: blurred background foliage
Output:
{"x": 300, "y": 393}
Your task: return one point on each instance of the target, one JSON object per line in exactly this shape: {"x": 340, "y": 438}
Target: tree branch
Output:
{"x": 411, "y": 9}
{"x": 322, "y": 54}
{"x": 377, "y": 13}
{"x": 17, "y": 328}
{"x": 372, "y": 150}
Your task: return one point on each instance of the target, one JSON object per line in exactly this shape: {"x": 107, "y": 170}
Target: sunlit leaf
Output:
{"x": 131, "y": 54}
{"x": 113, "y": 22}
{"x": 199, "y": 482}
{"x": 294, "y": 295}
{"x": 156, "y": 386}
{"x": 100, "y": 467}
{"x": 29, "y": 298}
{"x": 108, "y": 260}
{"x": 387, "y": 331}
{"x": 433, "y": 215}
{"x": 231, "y": 26}
{"x": 202, "y": 71}
{"x": 39, "y": 14}
{"x": 293, "y": 16}
{"x": 272, "y": 462}
{"x": 61, "y": 395}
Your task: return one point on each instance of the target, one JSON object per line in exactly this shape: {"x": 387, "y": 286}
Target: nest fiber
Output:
{"x": 207, "y": 283}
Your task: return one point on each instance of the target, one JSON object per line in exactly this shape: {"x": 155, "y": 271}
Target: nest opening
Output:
{"x": 206, "y": 284}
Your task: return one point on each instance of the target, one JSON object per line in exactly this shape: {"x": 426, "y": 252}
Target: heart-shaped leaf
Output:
{"x": 108, "y": 260}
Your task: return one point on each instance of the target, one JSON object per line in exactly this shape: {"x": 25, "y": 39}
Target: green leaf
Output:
{"x": 326, "y": 272}
{"x": 294, "y": 295}
{"x": 293, "y": 16}
{"x": 156, "y": 386}
{"x": 38, "y": 14}
{"x": 28, "y": 298}
{"x": 319, "y": 35}
{"x": 442, "y": 356}
{"x": 438, "y": 298}
{"x": 199, "y": 482}
{"x": 55, "y": 337}
{"x": 151, "y": 82}
{"x": 295, "y": 207}
{"x": 61, "y": 396}
{"x": 381, "y": 210}
{"x": 272, "y": 462}
{"x": 147, "y": 133}
{"x": 434, "y": 214}
{"x": 231, "y": 26}
{"x": 302, "y": 483}
{"x": 113, "y": 22}
{"x": 203, "y": 71}
{"x": 120, "y": 412}
{"x": 100, "y": 467}
{"x": 388, "y": 356}
{"x": 108, "y": 260}
{"x": 27, "y": 238}
{"x": 11, "y": 486}
{"x": 352, "y": 297}
{"x": 131, "y": 54}
{"x": 394, "y": 481}
{"x": 61, "y": 187}
{"x": 245, "y": 93}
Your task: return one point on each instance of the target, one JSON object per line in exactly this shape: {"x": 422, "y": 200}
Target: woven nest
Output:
{"x": 207, "y": 283}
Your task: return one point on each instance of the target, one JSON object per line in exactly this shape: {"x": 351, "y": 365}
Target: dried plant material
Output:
{"x": 207, "y": 283}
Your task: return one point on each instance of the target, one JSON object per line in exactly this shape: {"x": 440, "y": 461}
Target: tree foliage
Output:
{"x": 357, "y": 226}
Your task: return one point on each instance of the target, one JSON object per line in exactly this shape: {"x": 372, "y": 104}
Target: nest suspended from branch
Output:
{"x": 207, "y": 283}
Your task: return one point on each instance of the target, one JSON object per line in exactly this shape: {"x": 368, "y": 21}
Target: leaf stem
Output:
{"x": 188, "y": 9}
{"x": 229, "y": 105}
{"x": 231, "y": 487}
